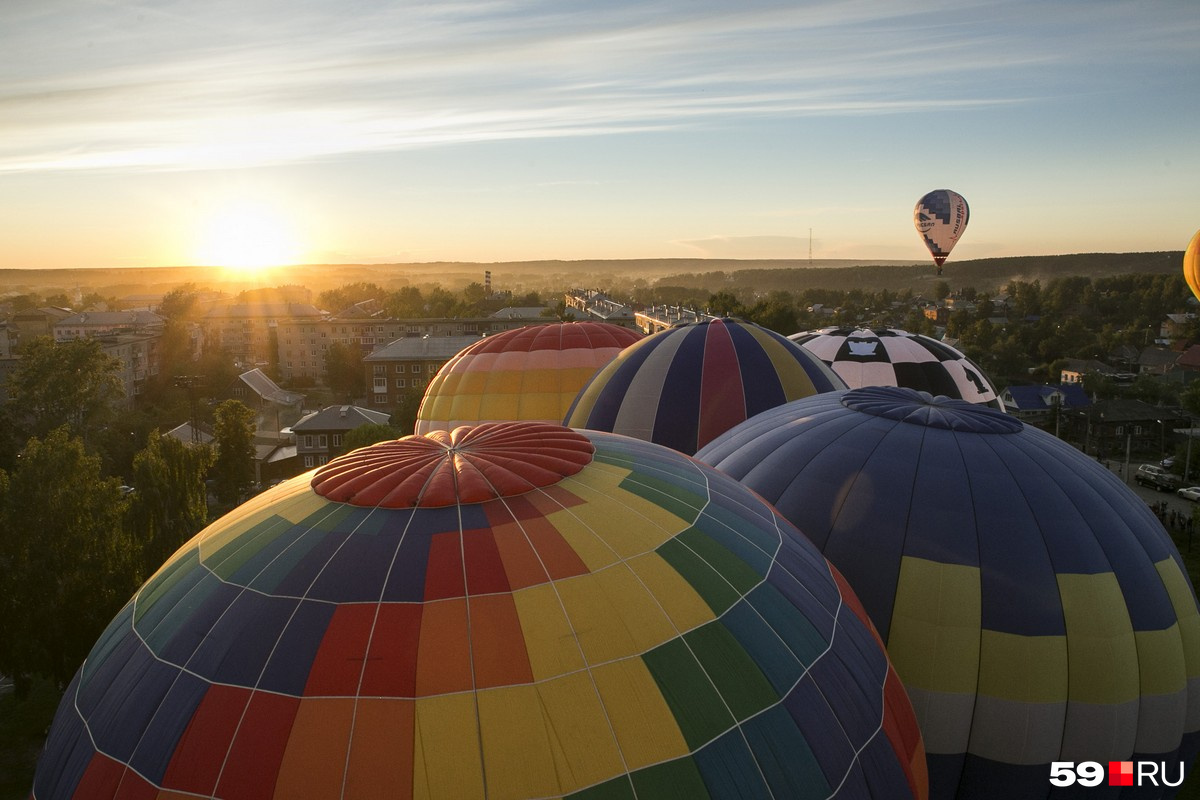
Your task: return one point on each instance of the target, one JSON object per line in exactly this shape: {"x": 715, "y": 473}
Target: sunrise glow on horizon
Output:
{"x": 250, "y": 133}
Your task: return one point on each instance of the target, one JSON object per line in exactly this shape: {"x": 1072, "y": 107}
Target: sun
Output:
{"x": 248, "y": 237}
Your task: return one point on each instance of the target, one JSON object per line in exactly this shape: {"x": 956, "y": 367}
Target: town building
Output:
{"x": 1043, "y": 405}
{"x": 250, "y": 332}
{"x": 659, "y": 318}
{"x": 1075, "y": 369}
{"x": 139, "y": 357}
{"x": 303, "y": 344}
{"x": 598, "y": 306}
{"x": 274, "y": 407}
{"x": 1112, "y": 428}
{"x": 319, "y": 434}
{"x": 90, "y": 324}
{"x": 405, "y": 367}
{"x": 34, "y": 322}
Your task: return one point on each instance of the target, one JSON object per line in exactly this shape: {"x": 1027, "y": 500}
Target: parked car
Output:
{"x": 1157, "y": 477}
{"x": 1190, "y": 493}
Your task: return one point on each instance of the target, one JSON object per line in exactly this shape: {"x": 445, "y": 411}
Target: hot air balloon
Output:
{"x": 1034, "y": 607}
{"x": 511, "y": 610}
{"x": 941, "y": 217}
{"x": 1191, "y": 265}
{"x": 531, "y": 374}
{"x": 892, "y": 357}
{"x": 683, "y": 386}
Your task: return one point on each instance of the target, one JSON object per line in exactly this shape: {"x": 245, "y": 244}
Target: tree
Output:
{"x": 559, "y": 310}
{"x": 169, "y": 504}
{"x": 344, "y": 370}
{"x": 369, "y": 434}
{"x": 404, "y": 417}
{"x": 179, "y": 303}
{"x": 73, "y": 383}
{"x": 233, "y": 432}
{"x": 725, "y": 304}
{"x": 67, "y": 560}
{"x": 347, "y": 295}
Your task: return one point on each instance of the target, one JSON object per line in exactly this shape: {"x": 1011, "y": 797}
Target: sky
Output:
{"x": 249, "y": 132}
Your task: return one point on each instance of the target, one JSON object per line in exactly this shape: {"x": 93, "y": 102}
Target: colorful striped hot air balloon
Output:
{"x": 684, "y": 386}
{"x": 1034, "y": 607}
{"x": 892, "y": 357}
{"x": 512, "y": 610}
{"x": 531, "y": 374}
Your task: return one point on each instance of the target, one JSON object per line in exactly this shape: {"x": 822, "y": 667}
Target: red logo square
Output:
{"x": 1120, "y": 773}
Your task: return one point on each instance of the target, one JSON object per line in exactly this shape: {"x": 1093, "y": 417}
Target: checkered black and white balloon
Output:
{"x": 892, "y": 357}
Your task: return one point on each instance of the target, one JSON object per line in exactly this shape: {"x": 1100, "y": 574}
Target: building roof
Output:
{"x": 531, "y": 312}
{"x": 1085, "y": 365}
{"x": 42, "y": 313}
{"x": 267, "y": 389}
{"x": 112, "y": 318}
{"x": 1157, "y": 357}
{"x": 1124, "y": 410}
{"x": 340, "y": 418}
{"x": 1190, "y": 358}
{"x": 424, "y": 347}
{"x": 1037, "y": 398}
{"x": 263, "y": 311}
{"x": 367, "y": 309}
{"x": 184, "y": 434}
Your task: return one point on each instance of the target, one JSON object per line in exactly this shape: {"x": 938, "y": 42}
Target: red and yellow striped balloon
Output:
{"x": 531, "y": 374}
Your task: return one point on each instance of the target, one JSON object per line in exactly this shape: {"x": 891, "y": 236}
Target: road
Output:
{"x": 1153, "y": 496}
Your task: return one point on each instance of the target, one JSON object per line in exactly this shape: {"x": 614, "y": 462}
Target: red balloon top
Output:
{"x": 468, "y": 465}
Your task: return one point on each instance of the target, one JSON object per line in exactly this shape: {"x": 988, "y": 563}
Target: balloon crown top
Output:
{"x": 466, "y": 465}
{"x": 922, "y": 408}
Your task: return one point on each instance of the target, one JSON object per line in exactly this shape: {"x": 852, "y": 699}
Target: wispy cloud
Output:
{"x": 184, "y": 85}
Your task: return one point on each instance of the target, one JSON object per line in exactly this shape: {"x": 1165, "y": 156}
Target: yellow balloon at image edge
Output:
{"x": 1191, "y": 265}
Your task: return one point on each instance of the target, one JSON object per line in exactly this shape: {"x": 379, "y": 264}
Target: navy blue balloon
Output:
{"x": 1035, "y": 608}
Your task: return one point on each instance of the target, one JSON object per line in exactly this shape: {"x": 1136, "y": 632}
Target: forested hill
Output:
{"x": 620, "y": 276}
{"x": 987, "y": 274}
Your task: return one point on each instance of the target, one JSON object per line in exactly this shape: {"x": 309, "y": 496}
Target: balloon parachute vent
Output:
{"x": 922, "y": 408}
{"x": 467, "y": 465}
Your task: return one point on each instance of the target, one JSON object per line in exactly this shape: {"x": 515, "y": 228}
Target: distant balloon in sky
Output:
{"x": 1191, "y": 265}
{"x": 941, "y": 217}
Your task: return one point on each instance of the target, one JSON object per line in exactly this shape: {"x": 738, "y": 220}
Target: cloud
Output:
{"x": 180, "y": 85}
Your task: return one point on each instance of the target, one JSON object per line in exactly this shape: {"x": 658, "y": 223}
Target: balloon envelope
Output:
{"x": 1034, "y": 607}
{"x": 941, "y": 217}
{"x": 1191, "y": 265}
{"x": 683, "y": 386}
{"x": 511, "y": 610}
{"x": 531, "y": 373}
{"x": 892, "y": 357}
